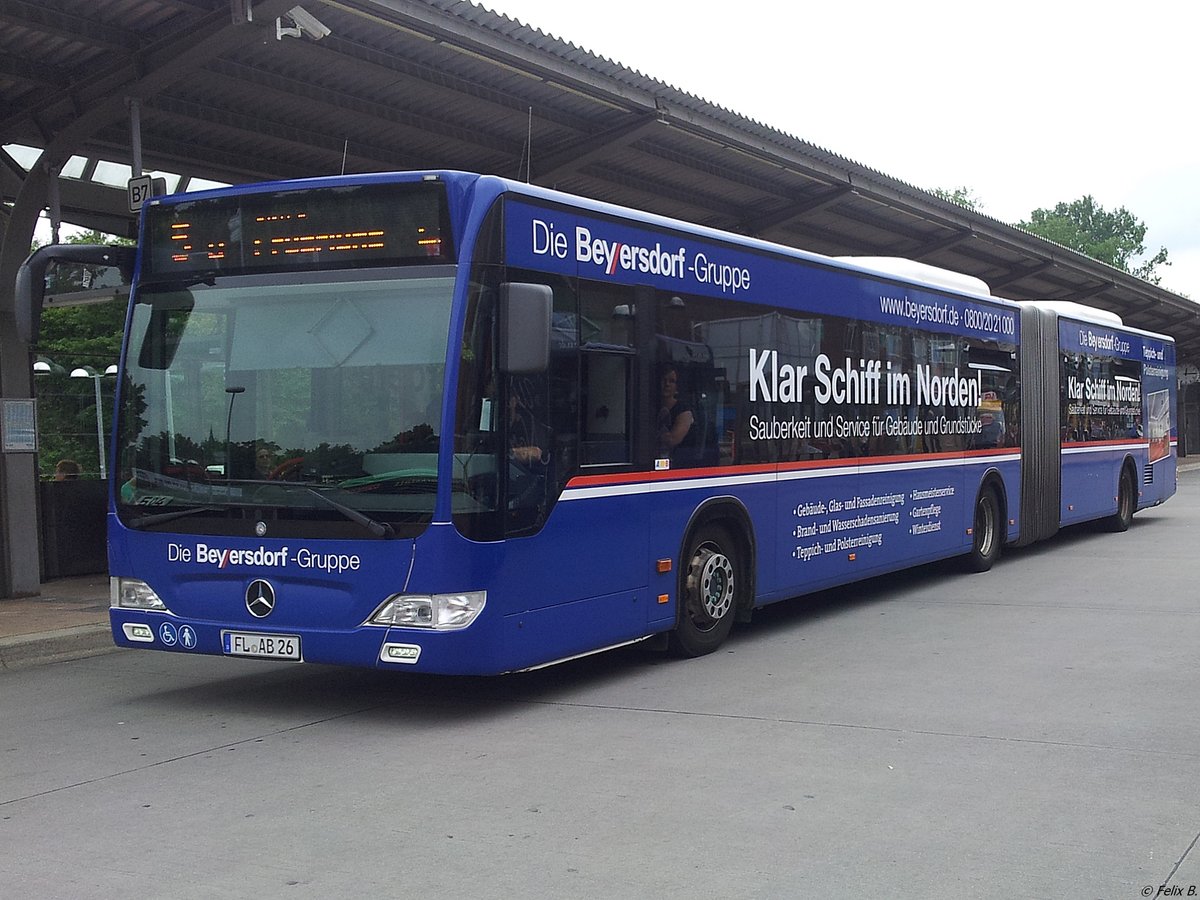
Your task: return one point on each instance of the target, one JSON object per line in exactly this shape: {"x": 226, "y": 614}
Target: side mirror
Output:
{"x": 31, "y": 277}
{"x": 525, "y": 313}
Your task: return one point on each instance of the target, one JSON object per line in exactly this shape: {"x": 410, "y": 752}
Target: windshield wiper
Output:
{"x": 159, "y": 518}
{"x": 379, "y": 529}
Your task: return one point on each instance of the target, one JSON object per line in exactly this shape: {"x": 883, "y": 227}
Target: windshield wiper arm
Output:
{"x": 159, "y": 518}
{"x": 379, "y": 529}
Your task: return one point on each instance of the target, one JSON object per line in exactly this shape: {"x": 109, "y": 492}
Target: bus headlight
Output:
{"x": 442, "y": 611}
{"x": 130, "y": 593}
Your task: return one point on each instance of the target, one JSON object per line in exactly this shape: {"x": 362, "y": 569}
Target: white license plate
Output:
{"x": 264, "y": 646}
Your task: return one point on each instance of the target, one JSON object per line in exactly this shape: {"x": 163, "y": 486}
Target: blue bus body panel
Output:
{"x": 541, "y": 604}
{"x": 1091, "y": 469}
{"x": 545, "y": 600}
{"x": 205, "y": 592}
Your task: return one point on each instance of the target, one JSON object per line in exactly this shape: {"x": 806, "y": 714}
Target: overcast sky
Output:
{"x": 1024, "y": 103}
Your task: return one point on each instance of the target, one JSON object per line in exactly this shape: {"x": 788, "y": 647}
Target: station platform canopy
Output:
{"x": 230, "y": 91}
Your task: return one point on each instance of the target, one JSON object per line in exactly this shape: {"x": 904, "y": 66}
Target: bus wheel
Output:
{"x": 709, "y": 592}
{"x": 1126, "y": 501}
{"x": 985, "y": 548}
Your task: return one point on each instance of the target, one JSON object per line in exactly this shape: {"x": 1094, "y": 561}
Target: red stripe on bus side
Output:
{"x": 583, "y": 481}
{"x": 1132, "y": 445}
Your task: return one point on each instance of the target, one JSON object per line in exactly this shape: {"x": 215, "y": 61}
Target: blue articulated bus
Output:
{"x": 449, "y": 423}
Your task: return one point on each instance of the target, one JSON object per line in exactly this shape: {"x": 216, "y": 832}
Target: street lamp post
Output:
{"x": 88, "y": 372}
{"x": 44, "y": 366}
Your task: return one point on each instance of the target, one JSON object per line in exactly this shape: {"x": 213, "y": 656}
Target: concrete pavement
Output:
{"x": 69, "y": 619}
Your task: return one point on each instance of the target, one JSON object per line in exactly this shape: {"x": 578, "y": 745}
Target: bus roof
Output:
{"x": 915, "y": 273}
{"x": 1071, "y": 310}
{"x": 911, "y": 270}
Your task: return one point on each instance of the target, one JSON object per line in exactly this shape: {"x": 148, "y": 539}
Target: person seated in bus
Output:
{"x": 675, "y": 416}
{"x": 1012, "y": 434}
{"x": 129, "y": 486}
{"x": 529, "y": 457}
{"x": 264, "y": 462}
{"x": 990, "y": 431}
{"x": 524, "y": 445}
{"x": 268, "y": 465}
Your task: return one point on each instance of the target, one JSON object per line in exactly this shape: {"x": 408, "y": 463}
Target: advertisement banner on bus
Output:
{"x": 571, "y": 244}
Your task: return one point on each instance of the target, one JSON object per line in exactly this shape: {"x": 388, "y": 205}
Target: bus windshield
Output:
{"x": 296, "y": 398}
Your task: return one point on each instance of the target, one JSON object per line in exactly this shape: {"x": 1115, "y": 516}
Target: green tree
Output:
{"x": 1116, "y": 238}
{"x": 963, "y": 196}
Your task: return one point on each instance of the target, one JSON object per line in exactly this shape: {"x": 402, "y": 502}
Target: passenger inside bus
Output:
{"x": 991, "y": 431}
{"x": 675, "y": 417}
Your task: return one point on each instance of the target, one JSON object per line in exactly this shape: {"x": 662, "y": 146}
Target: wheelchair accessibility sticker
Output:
{"x": 184, "y": 636}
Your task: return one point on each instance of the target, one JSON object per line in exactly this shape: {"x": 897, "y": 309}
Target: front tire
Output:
{"x": 986, "y": 533}
{"x": 708, "y": 594}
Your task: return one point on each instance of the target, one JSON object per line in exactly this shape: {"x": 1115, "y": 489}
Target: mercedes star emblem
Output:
{"x": 260, "y": 598}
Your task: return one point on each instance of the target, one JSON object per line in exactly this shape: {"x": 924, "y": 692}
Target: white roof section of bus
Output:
{"x": 1082, "y": 313}
{"x": 911, "y": 270}
{"x": 1071, "y": 310}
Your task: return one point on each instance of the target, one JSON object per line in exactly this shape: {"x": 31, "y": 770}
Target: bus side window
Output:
{"x": 605, "y": 409}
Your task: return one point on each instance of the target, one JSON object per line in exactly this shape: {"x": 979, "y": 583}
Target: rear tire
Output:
{"x": 1126, "y": 502}
{"x": 710, "y": 583}
{"x": 986, "y": 532}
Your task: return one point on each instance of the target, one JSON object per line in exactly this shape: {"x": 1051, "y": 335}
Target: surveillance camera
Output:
{"x": 308, "y": 23}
